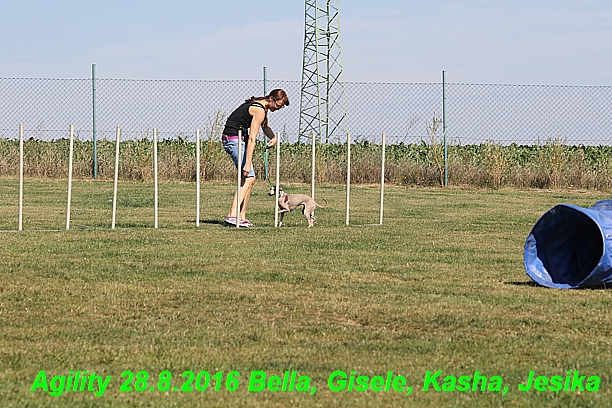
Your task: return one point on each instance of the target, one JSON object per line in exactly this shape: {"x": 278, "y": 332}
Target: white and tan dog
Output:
{"x": 289, "y": 202}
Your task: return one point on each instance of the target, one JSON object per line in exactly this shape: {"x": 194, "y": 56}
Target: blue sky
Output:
{"x": 476, "y": 41}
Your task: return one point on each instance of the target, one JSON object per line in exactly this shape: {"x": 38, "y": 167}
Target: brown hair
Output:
{"x": 276, "y": 95}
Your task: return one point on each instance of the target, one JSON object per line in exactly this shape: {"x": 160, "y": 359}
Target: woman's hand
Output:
{"x": 246, "y": 169}
{"x": 272, "y": 142}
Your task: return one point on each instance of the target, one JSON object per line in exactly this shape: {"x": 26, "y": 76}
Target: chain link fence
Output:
{"x": 409, "y": 113}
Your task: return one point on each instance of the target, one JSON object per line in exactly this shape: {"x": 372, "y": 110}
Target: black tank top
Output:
{"x": 240, "y": 119}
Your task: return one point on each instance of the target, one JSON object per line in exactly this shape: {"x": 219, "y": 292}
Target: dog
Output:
{"x": 289, "y": 202}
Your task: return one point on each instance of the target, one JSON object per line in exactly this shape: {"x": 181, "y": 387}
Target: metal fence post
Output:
{"x": 444, "y": 126}
{"x": 95, "y": 136}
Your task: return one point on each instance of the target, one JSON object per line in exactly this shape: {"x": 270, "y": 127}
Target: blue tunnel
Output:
{"x": 571, "y": 247}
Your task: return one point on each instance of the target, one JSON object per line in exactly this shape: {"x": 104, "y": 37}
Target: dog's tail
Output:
{"x": 320, "y": 206}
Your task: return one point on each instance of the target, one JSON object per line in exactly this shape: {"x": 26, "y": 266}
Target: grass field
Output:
{"x": 440, "y": 286}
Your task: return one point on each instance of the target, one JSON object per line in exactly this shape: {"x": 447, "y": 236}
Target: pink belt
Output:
{"x": 226, "y": 137}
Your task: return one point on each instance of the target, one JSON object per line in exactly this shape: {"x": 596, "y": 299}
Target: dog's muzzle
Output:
{"x": 272, "y": 191}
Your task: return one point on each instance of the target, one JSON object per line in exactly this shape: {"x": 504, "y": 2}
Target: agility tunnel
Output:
{"x": 571, "y": 247}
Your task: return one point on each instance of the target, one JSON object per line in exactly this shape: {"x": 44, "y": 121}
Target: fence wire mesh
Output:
{"x": 407, "y": 113}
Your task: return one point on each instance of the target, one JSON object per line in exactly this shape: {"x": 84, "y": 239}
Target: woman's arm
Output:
{"x": 270, "y": 134}
{"x": 259, "y": 116}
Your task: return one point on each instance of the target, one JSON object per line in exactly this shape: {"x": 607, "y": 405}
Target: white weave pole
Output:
{"x": 239, "y": 178}
{"x": 382, "y": 180}
{"x": 348, "y": 176}
{"x": 277, "y": 183}
{"x": 20, "y": 213}
{"x": 155, "y": 188}
{"x": 312, "y": 188}
{"x": 70, "y": 155}
{"x": 116, "y": 177}
{"x": 198, "y": 177}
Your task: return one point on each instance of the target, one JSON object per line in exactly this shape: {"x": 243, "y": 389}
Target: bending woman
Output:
{"x": 249, "y": 117}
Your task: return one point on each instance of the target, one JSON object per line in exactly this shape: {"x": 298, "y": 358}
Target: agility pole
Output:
{"x": 155, "y": 187}
{"x": 239, "y": 178}
{"x": 198, "y": 170}
{"x": 70, "y": 156}
{"x": 312, "y": 182}
{"x": 114, "y": 217}
{"x": 382, "y": 180}
{"x": 277, "y": 182}
{"x": 348, "y": 175}
{"x": 20, "y": 213}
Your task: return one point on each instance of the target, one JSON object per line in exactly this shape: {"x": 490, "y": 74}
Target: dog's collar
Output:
{"x": 286, "y": 197}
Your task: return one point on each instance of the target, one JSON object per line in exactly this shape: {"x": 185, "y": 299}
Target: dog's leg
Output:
{"x": 282, "y": 209}
{"x": 309, "y": 213}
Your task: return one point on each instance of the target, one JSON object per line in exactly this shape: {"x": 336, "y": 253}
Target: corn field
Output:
{"x": 490, "y": 165}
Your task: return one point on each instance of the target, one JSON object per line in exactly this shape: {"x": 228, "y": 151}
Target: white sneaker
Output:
{"x": 246, "y": 224}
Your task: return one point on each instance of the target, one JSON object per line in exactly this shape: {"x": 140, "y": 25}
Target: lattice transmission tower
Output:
{"x": 323, "y": 107}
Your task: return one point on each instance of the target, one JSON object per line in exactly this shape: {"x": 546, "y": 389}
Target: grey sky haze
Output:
{"x": 561, "y": 42}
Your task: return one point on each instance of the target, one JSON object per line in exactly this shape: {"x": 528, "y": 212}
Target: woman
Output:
{"x": 249, "y": 117}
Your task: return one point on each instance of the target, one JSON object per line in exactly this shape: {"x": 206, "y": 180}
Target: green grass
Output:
{"x": 440, "y": 286}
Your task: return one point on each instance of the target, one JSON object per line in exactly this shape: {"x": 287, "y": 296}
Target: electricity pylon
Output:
{"x": 323, "y": 107}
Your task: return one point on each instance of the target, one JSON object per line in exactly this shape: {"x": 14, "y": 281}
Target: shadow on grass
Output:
{"x": 528, "y": 283}
{"x": 533, "y": 284}
{"x": 212, "y": 222}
